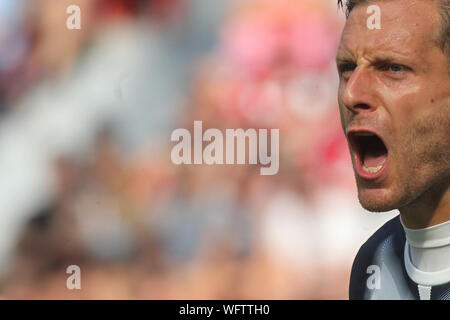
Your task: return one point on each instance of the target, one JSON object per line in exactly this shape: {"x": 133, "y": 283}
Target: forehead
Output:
{"x": 407, "y": 28}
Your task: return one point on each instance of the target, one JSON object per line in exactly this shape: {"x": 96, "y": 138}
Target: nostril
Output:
{"x": 362, "y": 106}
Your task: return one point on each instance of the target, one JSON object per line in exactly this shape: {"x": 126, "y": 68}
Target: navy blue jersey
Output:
{"x": 379, "y": 271}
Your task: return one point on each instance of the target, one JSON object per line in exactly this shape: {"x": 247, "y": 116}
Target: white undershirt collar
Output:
{"x": 427, "y": 254}
{"x": 431, "y": 237}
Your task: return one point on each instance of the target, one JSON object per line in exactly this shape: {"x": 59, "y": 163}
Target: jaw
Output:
{"x": 422, "y": 203}
{"x": 377, "y": 199}
{"x": 386, "y": 194}
{"x": 430, "y": 208}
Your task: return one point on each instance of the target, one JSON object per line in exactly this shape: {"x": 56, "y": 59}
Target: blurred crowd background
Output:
{"x": 85, "y": 172}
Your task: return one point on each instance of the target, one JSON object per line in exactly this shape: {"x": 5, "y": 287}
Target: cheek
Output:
{"x": 408, "y": 101}
{"x": 343, "y": 116}
{"x": 343, "y": 111}
{"x": 423, "y": 145}
{"x": 404, "y": 111}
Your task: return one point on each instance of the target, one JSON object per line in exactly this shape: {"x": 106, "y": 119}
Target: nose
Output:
{"x": 358, "y": 94}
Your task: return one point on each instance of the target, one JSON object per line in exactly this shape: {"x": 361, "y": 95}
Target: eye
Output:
{"x": 345, "y": 69}
{"x": 396, "y": 68}
{"x": 393, "y": 68}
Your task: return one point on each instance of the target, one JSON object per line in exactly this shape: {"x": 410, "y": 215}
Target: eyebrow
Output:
{"x": 344, "y": 55}
{"x": 345, "y": 59}
{"x": 385, "y": 52}
{"x": 376, "y": 59}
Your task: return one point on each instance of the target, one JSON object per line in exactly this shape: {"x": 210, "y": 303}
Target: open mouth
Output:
{"x": 370, "y": 153}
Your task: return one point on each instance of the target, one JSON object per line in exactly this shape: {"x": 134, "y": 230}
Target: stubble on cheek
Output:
{"x": 424, "y": 155}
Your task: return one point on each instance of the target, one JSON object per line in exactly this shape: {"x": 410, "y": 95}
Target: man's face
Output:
{"x": 394, "y": 102}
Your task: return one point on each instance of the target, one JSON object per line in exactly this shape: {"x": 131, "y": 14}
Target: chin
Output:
{"x": 376, "y": 200}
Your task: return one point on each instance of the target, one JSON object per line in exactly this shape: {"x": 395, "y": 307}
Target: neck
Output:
{"x": 431, "y": 208}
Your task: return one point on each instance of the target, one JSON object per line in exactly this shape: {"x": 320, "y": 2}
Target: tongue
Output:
{"x": 375, "y": 154}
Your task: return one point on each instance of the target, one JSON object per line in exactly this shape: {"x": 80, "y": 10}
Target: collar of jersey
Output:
{"x": 431, "y": 237}
{"x": 424, "y": 278}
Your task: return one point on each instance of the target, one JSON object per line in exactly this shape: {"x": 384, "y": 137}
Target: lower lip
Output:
{"x": 369, "y": 175}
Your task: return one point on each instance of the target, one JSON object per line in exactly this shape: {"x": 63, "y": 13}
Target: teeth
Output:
{"x": 363, "y": 134}
{"x": 372, "y": 169}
